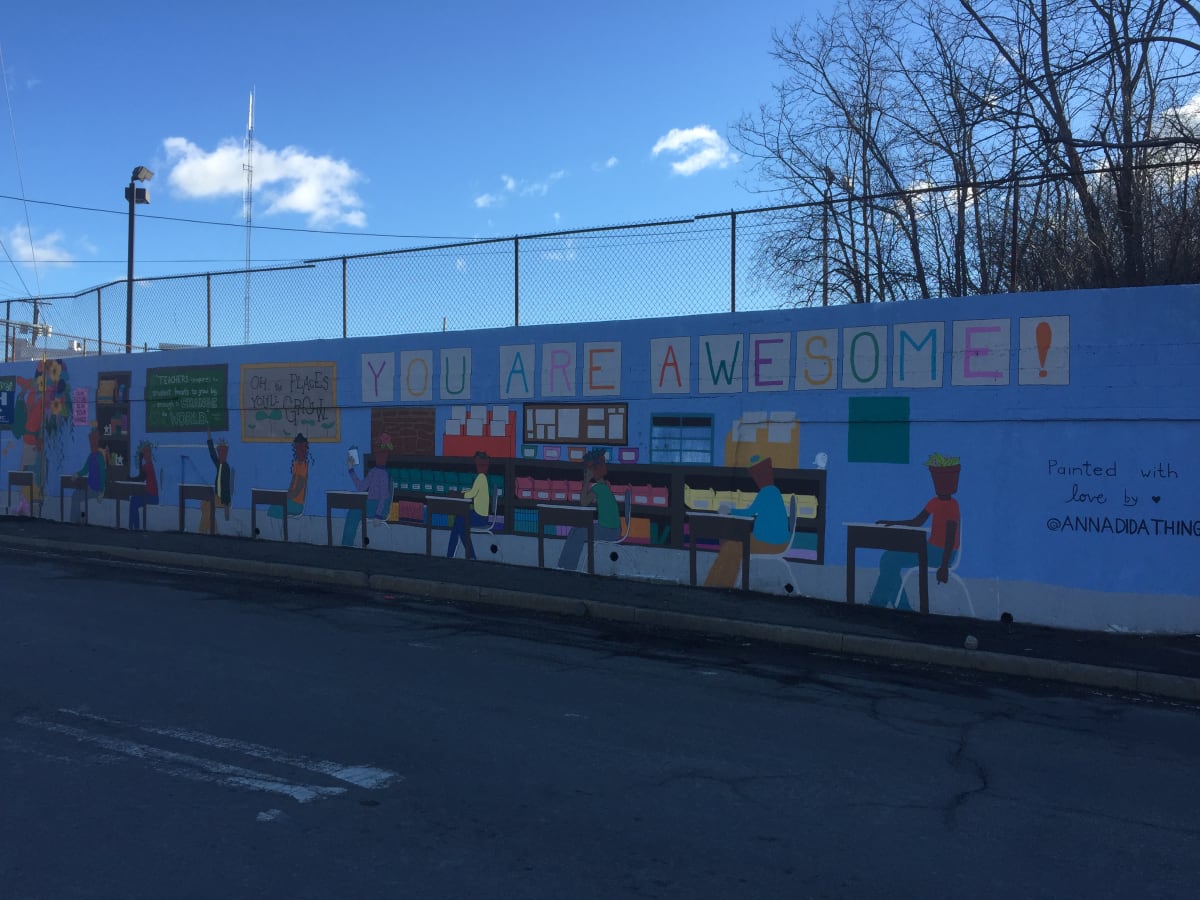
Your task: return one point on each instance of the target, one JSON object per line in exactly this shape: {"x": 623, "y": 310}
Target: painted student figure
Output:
{"x": 477, "y": 493}
{"x": 96, "y": 471}
{"x": 772, "y": 530}
{"x": 222, "y": 486}
{"x": 596, "y": 492}
{"x": 944, "y": 533}
{"x": 298, "y": 487}
{"x": 147, "y": 474}
{"x": 377, "y": 484}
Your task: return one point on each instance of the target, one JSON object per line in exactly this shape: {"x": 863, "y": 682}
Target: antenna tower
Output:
{"x": 249, "y": 204}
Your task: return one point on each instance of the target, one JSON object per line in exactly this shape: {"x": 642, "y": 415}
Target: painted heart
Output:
{"x": 1156, "y": 498}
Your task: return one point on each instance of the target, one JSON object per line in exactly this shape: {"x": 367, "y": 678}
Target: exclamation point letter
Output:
{"x": 1043, "y": 335}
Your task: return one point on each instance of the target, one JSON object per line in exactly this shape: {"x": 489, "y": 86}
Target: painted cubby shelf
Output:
{"x": 112, "y": 419}
{"x": 659, "y": 494}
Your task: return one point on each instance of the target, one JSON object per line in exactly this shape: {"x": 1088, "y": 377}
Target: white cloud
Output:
{"x": 701, "y": 147}
{"x": 1190, "y": 111}
{"x": 518, "y": 188}
{"x": 286, "y": 181}
{"x": 45, "y": 250}
{"x": 542, "y": 188}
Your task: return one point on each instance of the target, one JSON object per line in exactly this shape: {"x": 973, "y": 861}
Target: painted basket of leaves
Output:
{"x": 944, "y": 471}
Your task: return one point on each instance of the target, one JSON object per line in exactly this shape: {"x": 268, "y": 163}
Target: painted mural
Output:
{"x": 1025, "y": 455}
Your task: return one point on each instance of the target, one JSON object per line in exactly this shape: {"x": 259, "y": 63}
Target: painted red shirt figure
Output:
{"x": 943, "y": 540}
{"x": 148, "y": 475}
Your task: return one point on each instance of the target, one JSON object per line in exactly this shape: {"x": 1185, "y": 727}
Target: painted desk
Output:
{"x": 575, "y": 516}
{"x": 125, "y": 490}
{"x": 21, "y": 479}
{"x": 450, "y": 506}
{"x": 267, "y": 497}
{"x": 901, "y": 538}
{"x": 202, "y": 492}
{"x": 72, "y": 482}
{"x": 345, "y": 500}
{"x": 720, "y": 526}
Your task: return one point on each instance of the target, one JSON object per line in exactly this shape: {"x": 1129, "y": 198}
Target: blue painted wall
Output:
{"x": 1079, "y": 490}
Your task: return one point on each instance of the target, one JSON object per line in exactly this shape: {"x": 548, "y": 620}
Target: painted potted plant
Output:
{"x": 944, "y": 471}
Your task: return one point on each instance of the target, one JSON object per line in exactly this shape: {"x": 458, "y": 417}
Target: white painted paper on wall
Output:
{"x": 1045, "y": 355}
{"x": 981, "y": 352}
{"x": 378, "y": 377}
{"x": 671, "y": 365}
{"x": 416, "y": 375}
{"x": 568, "y": 424}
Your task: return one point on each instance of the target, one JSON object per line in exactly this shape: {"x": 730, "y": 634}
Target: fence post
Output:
{"x": 732, "y": 261}
{"x": 516, "y": 281}
{"x": 208, "y": 303}
{"x": 7, "y": 326}
{"x": 344, "y": 297}
{"x": 99, "y": 326}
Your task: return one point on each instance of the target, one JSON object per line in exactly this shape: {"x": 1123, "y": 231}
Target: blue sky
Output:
{"x": 457, "y": 120}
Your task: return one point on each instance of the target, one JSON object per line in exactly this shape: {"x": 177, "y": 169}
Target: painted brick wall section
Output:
{"x": 412, "y": 430}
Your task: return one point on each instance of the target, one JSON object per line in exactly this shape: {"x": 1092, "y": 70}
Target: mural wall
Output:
{"x": 1032, "y": 455}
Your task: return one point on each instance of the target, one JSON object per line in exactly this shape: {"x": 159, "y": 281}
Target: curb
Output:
{"x": 1158, "y": 684}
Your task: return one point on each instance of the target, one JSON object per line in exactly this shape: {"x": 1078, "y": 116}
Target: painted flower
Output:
{"x": 56, "y": 370}
{"x": 57, "y": 407}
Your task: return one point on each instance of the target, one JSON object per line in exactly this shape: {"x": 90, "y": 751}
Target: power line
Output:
{"x": 183, "y": 221}
{"x": 21, "y": 181}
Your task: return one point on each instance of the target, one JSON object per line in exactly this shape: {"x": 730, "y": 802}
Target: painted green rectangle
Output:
{"x": 187, "y": 398}
{"x": 879, "y": 430}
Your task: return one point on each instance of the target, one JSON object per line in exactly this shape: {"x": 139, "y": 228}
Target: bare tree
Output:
{"x": 982, "y": 145}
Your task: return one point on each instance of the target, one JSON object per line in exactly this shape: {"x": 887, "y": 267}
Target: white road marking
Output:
{"x": 360, "y": 776}
{"x": 187, "y": 766}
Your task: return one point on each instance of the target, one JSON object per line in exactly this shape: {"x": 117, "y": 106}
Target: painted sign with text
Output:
{"x": 187, "y": 398}
{"x": 282, "y": 400}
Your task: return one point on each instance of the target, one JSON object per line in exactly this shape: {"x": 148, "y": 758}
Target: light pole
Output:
{"x": 134, "y": 195}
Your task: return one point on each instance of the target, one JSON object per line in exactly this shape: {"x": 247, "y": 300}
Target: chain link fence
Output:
{"x": 1022, "y": 233}
{"x": 666, "y": 268}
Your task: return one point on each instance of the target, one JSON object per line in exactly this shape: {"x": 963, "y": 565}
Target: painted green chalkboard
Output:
{"x": 187, "y": 398}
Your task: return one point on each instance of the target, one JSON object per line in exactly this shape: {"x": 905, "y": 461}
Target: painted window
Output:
{"x": 681, "y": 439}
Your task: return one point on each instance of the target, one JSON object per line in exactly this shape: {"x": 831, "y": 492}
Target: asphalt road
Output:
{"x": 163, "y": 737}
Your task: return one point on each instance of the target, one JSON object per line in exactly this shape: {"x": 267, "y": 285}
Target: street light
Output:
{"x": 134, "y": 195}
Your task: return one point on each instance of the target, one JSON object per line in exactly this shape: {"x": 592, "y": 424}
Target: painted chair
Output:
{"x": 787, "y": 580}
{"x": 954, "y": 577}
{"x": 493, "y": 517}
{"x": 493, "y": 522}
{"x": 627, "y": 507}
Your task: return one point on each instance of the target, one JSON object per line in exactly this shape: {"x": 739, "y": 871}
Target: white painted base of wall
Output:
{"x": 989, "y": 599}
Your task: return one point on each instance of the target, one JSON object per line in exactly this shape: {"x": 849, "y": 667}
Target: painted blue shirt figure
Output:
{"x": 96, "y": 470}
{"x": 772, "y": 530}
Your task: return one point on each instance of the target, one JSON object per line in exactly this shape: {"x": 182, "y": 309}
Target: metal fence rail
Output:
{"x": 666, "y": 268}
{"x": 812, "y": 252}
